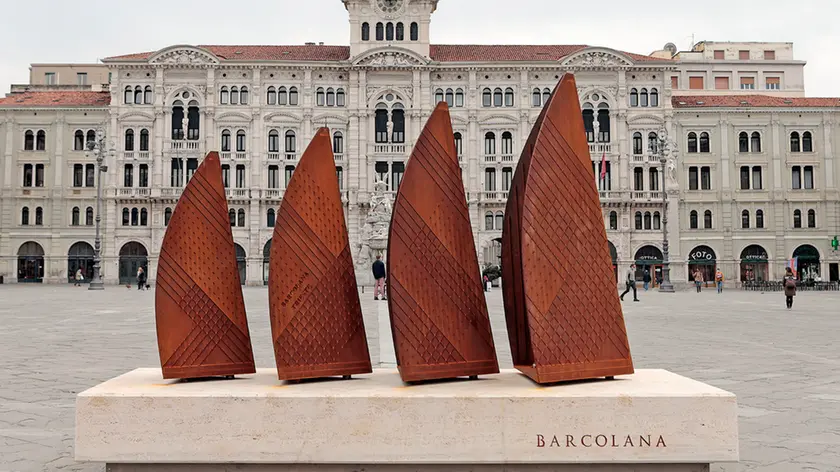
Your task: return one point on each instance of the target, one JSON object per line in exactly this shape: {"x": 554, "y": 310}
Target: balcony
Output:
{"x": 609, "y": 195}
{"x": 384, "y": 148}
{"x": 507, "y": 157}
{"x": 271, "y": 194}
{"x": 291, "y": 156}
{"x": 274, "y": 156}
{"x": 646, "y": 195}
{"x": 237, "y": 193}
{"x": 600, "y": 148}
{"x": 225, "y": 156}
{"x": 128, "y": 155}
{"x": 241, "y": 156}
{"x": 460, "y": 158}
{"x": 489, "y": 159}
{"x": 638, "y": 158}
{"x": 494, "y": 197}
{"x": 144, "y": 155}
{"x": 654, "y": 160}
{"x": 339, "y": 157}
{"x": 130, "y": 192}
{"x": 188, "y": 147}
{"x": 171, "y": 192}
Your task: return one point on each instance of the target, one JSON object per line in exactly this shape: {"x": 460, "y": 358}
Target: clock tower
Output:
{"x": 376, "y": 24}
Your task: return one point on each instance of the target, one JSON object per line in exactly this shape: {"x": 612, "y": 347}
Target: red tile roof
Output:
{"x": 751, "y": 101}
{"x": 438, "y": 52}
{"x": 56, "y": 99}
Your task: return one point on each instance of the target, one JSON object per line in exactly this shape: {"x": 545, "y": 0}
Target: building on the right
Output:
{"x": 758, "y": 186}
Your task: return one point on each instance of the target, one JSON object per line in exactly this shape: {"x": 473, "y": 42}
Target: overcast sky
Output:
{"x": 65, "y": 31}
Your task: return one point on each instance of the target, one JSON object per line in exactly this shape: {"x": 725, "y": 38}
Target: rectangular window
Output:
{"x": 273, "y": 176}
{"x": 808, "y": 177}
{"x": 773, "y": 83}
{"x": 719, "y": 54}
{"x": 78, "y": 175}
{"x": 39, "y": 175}
{"x": 507, "y": 178}
{"x": 339, "y": 174}
{"x": 745, "y": 178}
{"x": 290, "y": 172}
{"x": 192, "y": 166}
{"x": 89, "y": 175}
{"x": 721, "y": 83}
{"x": 675, "y": 82}
{"x": 638, "y": 179}
{"x": 490, "y": 180}
{"x": 744, "y": 55}
{"x": 81, "y": 78}
{"x": 50, "y": 78}
{"x": 769, "y": 55}
{"x": 176, "y": 173}
{"x": 27, "y": 175}
{"x": 692, "y": 178}
{"x": 796, "y": 178}
{"x": 695, "y": 83}
{"x": 240, "y": 176}
{"x": 128, "y": 176}
{"x": 747, "y": 83}
{"x": 705, "y": 178}
{"x": 226, "y": 175}
{"x": 143, "y": 176}
{"x": 397, "y": 171}
{"x": 756, "y": 177}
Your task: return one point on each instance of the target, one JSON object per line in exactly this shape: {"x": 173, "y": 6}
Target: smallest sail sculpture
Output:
{"x": 439, "y": 317}
{"x": 316, "y": 316}
{"x": 563, "y": 324}
{"x": 202, "y": 330}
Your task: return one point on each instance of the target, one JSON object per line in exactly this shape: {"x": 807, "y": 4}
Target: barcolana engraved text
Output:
{"x": 602, "y": 440}
{"x": 294, "y": 289}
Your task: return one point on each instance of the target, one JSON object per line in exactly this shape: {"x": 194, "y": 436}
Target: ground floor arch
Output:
{"x": 80, "y": 256}
{"x": 133, "y": 255}
{"x": 241, "y": 262}
{"x": 649, "y": 259}
{"x": 614, "y": 259}
{"x": 30, "y": 265}
{"x": 806, "y": 262}
{"x": 493, "y": 252}
{"x": 755, "y": 264}
{"x": 266, "y": 261}
{"x": 703, "y": 259}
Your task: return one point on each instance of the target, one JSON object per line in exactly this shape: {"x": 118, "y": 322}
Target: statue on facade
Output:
{"x": 390, "y": 131}
{"x": 373, "y": 238}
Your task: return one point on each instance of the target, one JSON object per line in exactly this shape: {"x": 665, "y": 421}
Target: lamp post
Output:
{"x": 97, "y": 148}
{"x": 663, "y": 150}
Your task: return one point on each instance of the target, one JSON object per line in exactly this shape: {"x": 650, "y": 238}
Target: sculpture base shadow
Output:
{"x": 553, "y": 374}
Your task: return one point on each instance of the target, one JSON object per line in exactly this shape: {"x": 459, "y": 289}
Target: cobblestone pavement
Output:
{"x": 56, "y": 341}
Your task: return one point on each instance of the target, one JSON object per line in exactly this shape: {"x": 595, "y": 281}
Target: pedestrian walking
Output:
{"x": 488, "y": 285}
{"x": 646, "y": 279}
{"x": 379, "y": 275}
{"x": 630, "y": 283}
{"x": 719, "y": 280}
{"x": 79, "y": 277}
{"x": 789, "y": 283}
{"x": 141, "y": 279}
{"x": 698, "y": 280}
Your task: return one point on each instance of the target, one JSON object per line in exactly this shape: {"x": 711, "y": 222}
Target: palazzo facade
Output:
{"x": 753, "y": 183}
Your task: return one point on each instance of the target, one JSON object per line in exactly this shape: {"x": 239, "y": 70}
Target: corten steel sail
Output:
{"x": 316, "y": 317}
{"x": 438, "y": 313}
{"x": 563, "y": 315}
{"x": 201, "y": 325}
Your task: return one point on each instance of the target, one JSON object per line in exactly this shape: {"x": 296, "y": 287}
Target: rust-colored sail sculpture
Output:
{"x": 439, "y": 318}
{"x": 563, "y": 315}
{"x": 316, "y": 317}
{"x": 200, "y": 313}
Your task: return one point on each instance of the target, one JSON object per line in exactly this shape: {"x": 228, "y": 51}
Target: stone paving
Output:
{"x": 56, "y": 341}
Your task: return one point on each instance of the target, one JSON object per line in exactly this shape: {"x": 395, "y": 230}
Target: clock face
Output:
{"x": 390, "y": 6}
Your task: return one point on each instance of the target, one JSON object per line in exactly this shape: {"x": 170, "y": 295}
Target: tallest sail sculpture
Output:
{"x": 563, "y": 315}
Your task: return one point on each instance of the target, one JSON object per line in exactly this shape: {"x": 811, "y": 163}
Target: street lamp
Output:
{"x": 98, "y": 149}
{"x": 664, "y": 150}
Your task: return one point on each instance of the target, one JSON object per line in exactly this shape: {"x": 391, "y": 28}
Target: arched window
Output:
{"x": 692, "y": 142}
{"x": 794, "y": 142}
{"x": 144, "y": 217}
{"x": 400, "y": 32}
{"x": 487, "y": 98}
{"x": 41, "y": 141}
{"x": 243, "y": 96}
{"x": 653, "y": 142}
{"x": 643, "y": 98}
{"x": 648, "y": 222}
{"x": 497, "y": 97}
{"x": 536, "y": 98}
{"x": 39, "y": 216}
{"x": 289, "y": 173}
{"x": 24, "y": 216}
{"x": 459, "y": 97}
{"x": 488, "y": 221}
{"x": 380, "y": 32}
{"x": 232, "y": 217}
{"x": 126, "y": 219}
{"x": 128, "y": 98}
{"x": 634, "y": 97}
{"x": 546, "y": 95}
{"x": 500, "y": 220}
{"x": 135, "y": 217}
{"x": 144, "y": 139}
{"x": 90, "y": 137}
{"x": 807, "y": 143}
{"x": 450, "y": 98}
{"x": 365, "y": 31}
{"x": 273, "y": 141}
{"x": 812, "y": 219}
{"x": 613, "y": 221}
{"x": 76, "y": 216}
{"x": 147, "y": 95}
{"x": 459, "y": 144}
{"x": 507, "y": 143}
{"x": 389, "y": 31}
{"x": 291, "y": 144}
{"x": 28, "y": 141}
{"x": 415, "y": 32}
{"x": 330, "y": 97}
{"x": 271, "y": 96}
{"x": 271, "y": 218}
{"x": 398, "y": 120}
{"x": 638, "y": 144}
{"x": 234, "y": 96}
{"x": 755, "y": 142}
{"x": 745, "y": 219}
{"x": 381, "y": 124}
{"x": 508, "y": 97}
{"x": 320, "y": 97}
{"x": 240, "y": 141}
{"x": 224, "y": 96}
{"x": 654, "y": 97}
{"x": 759, "y": 219}
{"x": 79, "y": 141}
{"x": 240, "y": 218}
{"x": 692, "y": 219}
{"x": 638, "y": 220}
{"x": 129, "y": 140}
{"x": 293, "y": 96}
{"x": 138, "y": 95}
{"x": 657, "y": 221}
{"x": 707, "y": 219}
{"x": 797, "y": 219}
{"x": 743, "y": 142}
{"x": 226, "y": 140}
{"x": 338, "y": 143}
{"x": 339, "y": 97}
{"x": 490, "y": 144}
{"x": 704, "y": 142}
{"x": 89, "y": 216}
{"x": 438, "y": 96}
{"x": 167, "y": 215}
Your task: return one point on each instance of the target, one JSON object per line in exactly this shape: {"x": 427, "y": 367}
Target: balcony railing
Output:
{"x": 339, "y": 157}
{"x": 653, "y": 160}
{"x": 638, "y": 158}
{"x": 389, "y": 148}
{"x": 600, "y": 148}
{"x": 507, "y": 157}
{"x": 171, "y": 192}
{"x": 144, "y": 155}
{"x": 237, "y": 192}
{"x": 291, "y": 156}
{"x": 494, "y": 196}
{"x": 489, "y": 159}
{"x": 460, "y": 158}
{"x": 609, "y": 195}
{"x": 188, "y": 145}
{"x": 241, "y": 156}
{"x": 128, "y": 155}
{"x": 274, "y": 156}
{"x": 225, "y": 156}
{"x": 272, "y": 194}
{"x": 646, "y": 195}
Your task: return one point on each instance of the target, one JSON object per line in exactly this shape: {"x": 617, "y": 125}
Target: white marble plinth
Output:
{"x": 651, "y": 417}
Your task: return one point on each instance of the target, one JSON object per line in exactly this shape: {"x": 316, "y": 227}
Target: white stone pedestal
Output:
{"x": 650, "y": 421}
